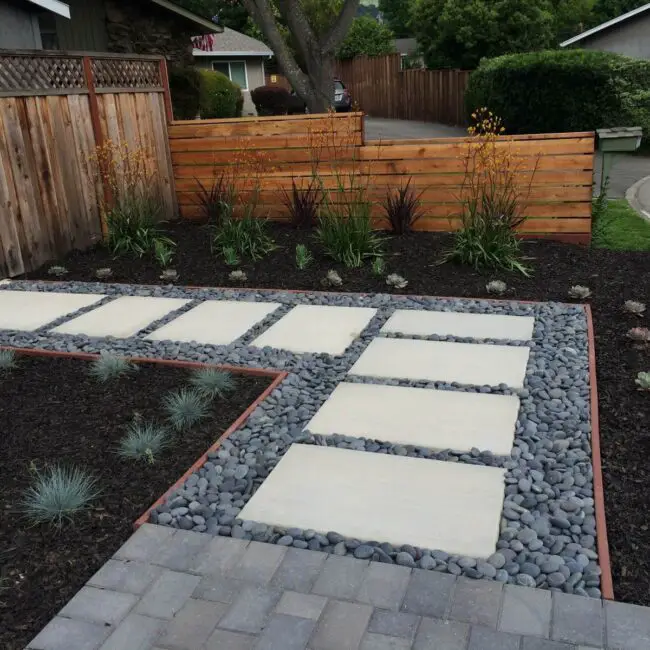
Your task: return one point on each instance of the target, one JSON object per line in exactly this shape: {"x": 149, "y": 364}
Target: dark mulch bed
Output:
{"x": 53, "y": 412}
{"x": 612, "y": 276}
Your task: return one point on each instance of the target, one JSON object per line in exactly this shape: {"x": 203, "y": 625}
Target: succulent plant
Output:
{"x": 498, "y": 287}
{"x": 578, "y": 292}
{"x": 104, "y": 273}
{"x": 332, "y": 279}
{"x": 169, "y": 275}
{"x": 57, "y": 271}
{"x": 396, "y": 281}
{"x": 634, "y": 307}
{"x": 238, "y": 276}
{"x": 643, "y": 380}
{"x": 58, "y": 493}
{"x": 378, "y": 266}
{"x": 639, "y": 334}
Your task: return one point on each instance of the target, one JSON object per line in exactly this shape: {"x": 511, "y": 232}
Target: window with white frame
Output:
{"x": 234, "y": 70}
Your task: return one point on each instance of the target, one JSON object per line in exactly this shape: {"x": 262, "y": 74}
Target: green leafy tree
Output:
{"x": 571, "y": 17}
{"x": 366, "y": 36}
{"x": 459, "y": 35}
{"x": 607, "y": 9}
{"x": 397, "y": 14}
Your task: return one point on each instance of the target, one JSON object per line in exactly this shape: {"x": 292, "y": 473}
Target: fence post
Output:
{"x": 99, "y": 138}
{"x": 164, "y": 78}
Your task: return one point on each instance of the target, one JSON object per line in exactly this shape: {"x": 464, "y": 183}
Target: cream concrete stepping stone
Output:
{"x": 214, "y": 322}
{"x": 455, "y": 323}
{"x": 465, "y": 363}
{"x": 121, "y": 318}
{"x": 316, "y": 328}
{"x": 432, "y": 504}
{"x": 437, "y": 419}
{"x": 29, "y": 310}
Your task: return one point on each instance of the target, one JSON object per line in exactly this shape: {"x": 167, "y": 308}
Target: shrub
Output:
{"x": 563, "y": 90}
{"x": 109, "y": 366}
{"x": 402, "y": 208}
{"x": 185, "y": 88}
{"x": 303, "y": 203}
{"x": 212, "y": 382}
{"x": 218, "y": 96}
{"x": 271, "y": 100}
{"x": 492, "y": 201}
{"x": 143, "y": 441}
{"x": 367, "y": 36}
{"x": 185, "y": 408}
{"x": 57, "y": 494}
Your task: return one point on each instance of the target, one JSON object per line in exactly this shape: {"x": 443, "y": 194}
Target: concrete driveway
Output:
{"x": 381, "y": 129}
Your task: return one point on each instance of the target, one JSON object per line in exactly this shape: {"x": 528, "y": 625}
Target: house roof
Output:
{"x": 232, "y": 43}
{"x": 207, "y": 25}
{"x": 55, "y": 6}
{"x": 606, "y": 25}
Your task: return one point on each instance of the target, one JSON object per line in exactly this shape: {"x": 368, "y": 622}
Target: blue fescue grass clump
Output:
{"x": 109, "y": 366}
{"x": 212, "y": 382}
{"x": 185, "y": 408}
{"x": 144, "y": 441}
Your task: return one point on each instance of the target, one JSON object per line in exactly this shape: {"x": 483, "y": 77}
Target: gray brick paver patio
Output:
{"x": 240, "y": 595}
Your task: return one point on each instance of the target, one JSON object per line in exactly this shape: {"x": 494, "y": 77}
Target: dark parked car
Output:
{"x": 342, "y": 100}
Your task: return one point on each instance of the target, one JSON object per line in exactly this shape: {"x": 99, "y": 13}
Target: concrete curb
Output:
{"x": 632, "y": 197}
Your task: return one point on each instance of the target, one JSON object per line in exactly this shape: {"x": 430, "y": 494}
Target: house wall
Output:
{"x": 18, "y": 27}
{"x": 631, "y": 38}
{"x": 254, "y": 71}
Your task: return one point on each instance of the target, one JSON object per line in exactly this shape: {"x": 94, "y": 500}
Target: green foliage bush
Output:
{"x": 271, "y": 100}
{"x": 206, "y": 93}
{"x": 367, "y": 36}
{"x": 565, "y": 90}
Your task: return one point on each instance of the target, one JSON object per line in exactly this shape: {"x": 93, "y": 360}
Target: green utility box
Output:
{"x": 621, "y": 139}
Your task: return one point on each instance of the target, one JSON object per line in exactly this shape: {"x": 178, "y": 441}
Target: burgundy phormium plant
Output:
{"x": 402, "y": 208}
{"x": 303, "y": 203}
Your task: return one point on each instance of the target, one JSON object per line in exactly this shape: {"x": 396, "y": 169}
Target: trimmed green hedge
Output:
{"x": 563, "y": 90}
{"x": 204, "y": 92}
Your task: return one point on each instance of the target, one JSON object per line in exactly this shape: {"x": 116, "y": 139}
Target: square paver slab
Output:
{"x": 316, "y": 328}
{"x": 351, "y": 492}
{"x": 465, "y": 363}
{"x": 214, "y": 322}
{"x": 29, "y": 310}
{"x": 437, "y": 419}
{"x": 454, "y": 323}
{"x": 121, "y": 318}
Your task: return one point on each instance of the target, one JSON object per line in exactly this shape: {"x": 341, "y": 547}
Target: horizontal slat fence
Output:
{"x": 55, "y": 108}
{"x": 295, "y": 148}
{"x": 382, "y": 89}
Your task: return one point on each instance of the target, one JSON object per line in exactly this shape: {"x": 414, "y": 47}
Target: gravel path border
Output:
{"x": 548, "y": 531}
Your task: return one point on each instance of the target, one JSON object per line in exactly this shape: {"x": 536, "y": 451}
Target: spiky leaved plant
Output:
{"x": 396, "y": 281}
{"x": 58, "y": 493}
{"x": 634, "y": 307}
{"x": 378, "y": 266}
{"x": 303, "y": 257}
{"x": 497, "y": 287}
{"x": 230, "y": 256}
{"x": 109, "y": 366}
{"x": 144, "y": 441}
{"x": 212, "y": 382}
{"x": 185, "y": 408}
{"x": 643, "y": 380}
{"x": 7, "y": 360}
{"x": 579, "y": 292}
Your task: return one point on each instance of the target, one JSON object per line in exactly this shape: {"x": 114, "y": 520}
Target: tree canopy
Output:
{"x": 366, "y": 36}
{"x": 397, "y": 15}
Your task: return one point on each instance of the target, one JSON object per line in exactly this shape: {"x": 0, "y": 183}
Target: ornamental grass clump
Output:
{"x": 378, "y": 266}
{"x": 57, "y": 494}
{"x": 212, "y": 382}
{"x": 402, "y": 208}
{"x": 185, "y": 408}
{"x": 303, "y": 257}
{"x": 7, "y": 360}
{"x": 303, "y": 203}
{"x": 493, "y": 200}
{"x": 109, "y": 366}
{"x": 247, "y": 237}
{"x": 144, "y": 441}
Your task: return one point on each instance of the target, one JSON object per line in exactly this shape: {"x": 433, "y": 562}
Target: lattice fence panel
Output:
{"x": 40, "y": 73}
{"x": 126, "y": 73}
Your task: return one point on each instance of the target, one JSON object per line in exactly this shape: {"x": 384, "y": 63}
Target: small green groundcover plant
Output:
{"x": 185, "y": 408}
{"x": 110, "y": 366}
{"x": 58, "y": 493}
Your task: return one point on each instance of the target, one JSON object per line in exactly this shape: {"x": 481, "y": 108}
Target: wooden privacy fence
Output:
{"x": 284, "y": 149}
{"x": 55, "y": 108}
{"x": 382, "y": 89}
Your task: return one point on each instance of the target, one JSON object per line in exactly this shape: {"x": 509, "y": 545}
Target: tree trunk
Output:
{"x": 320, "y": 95}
